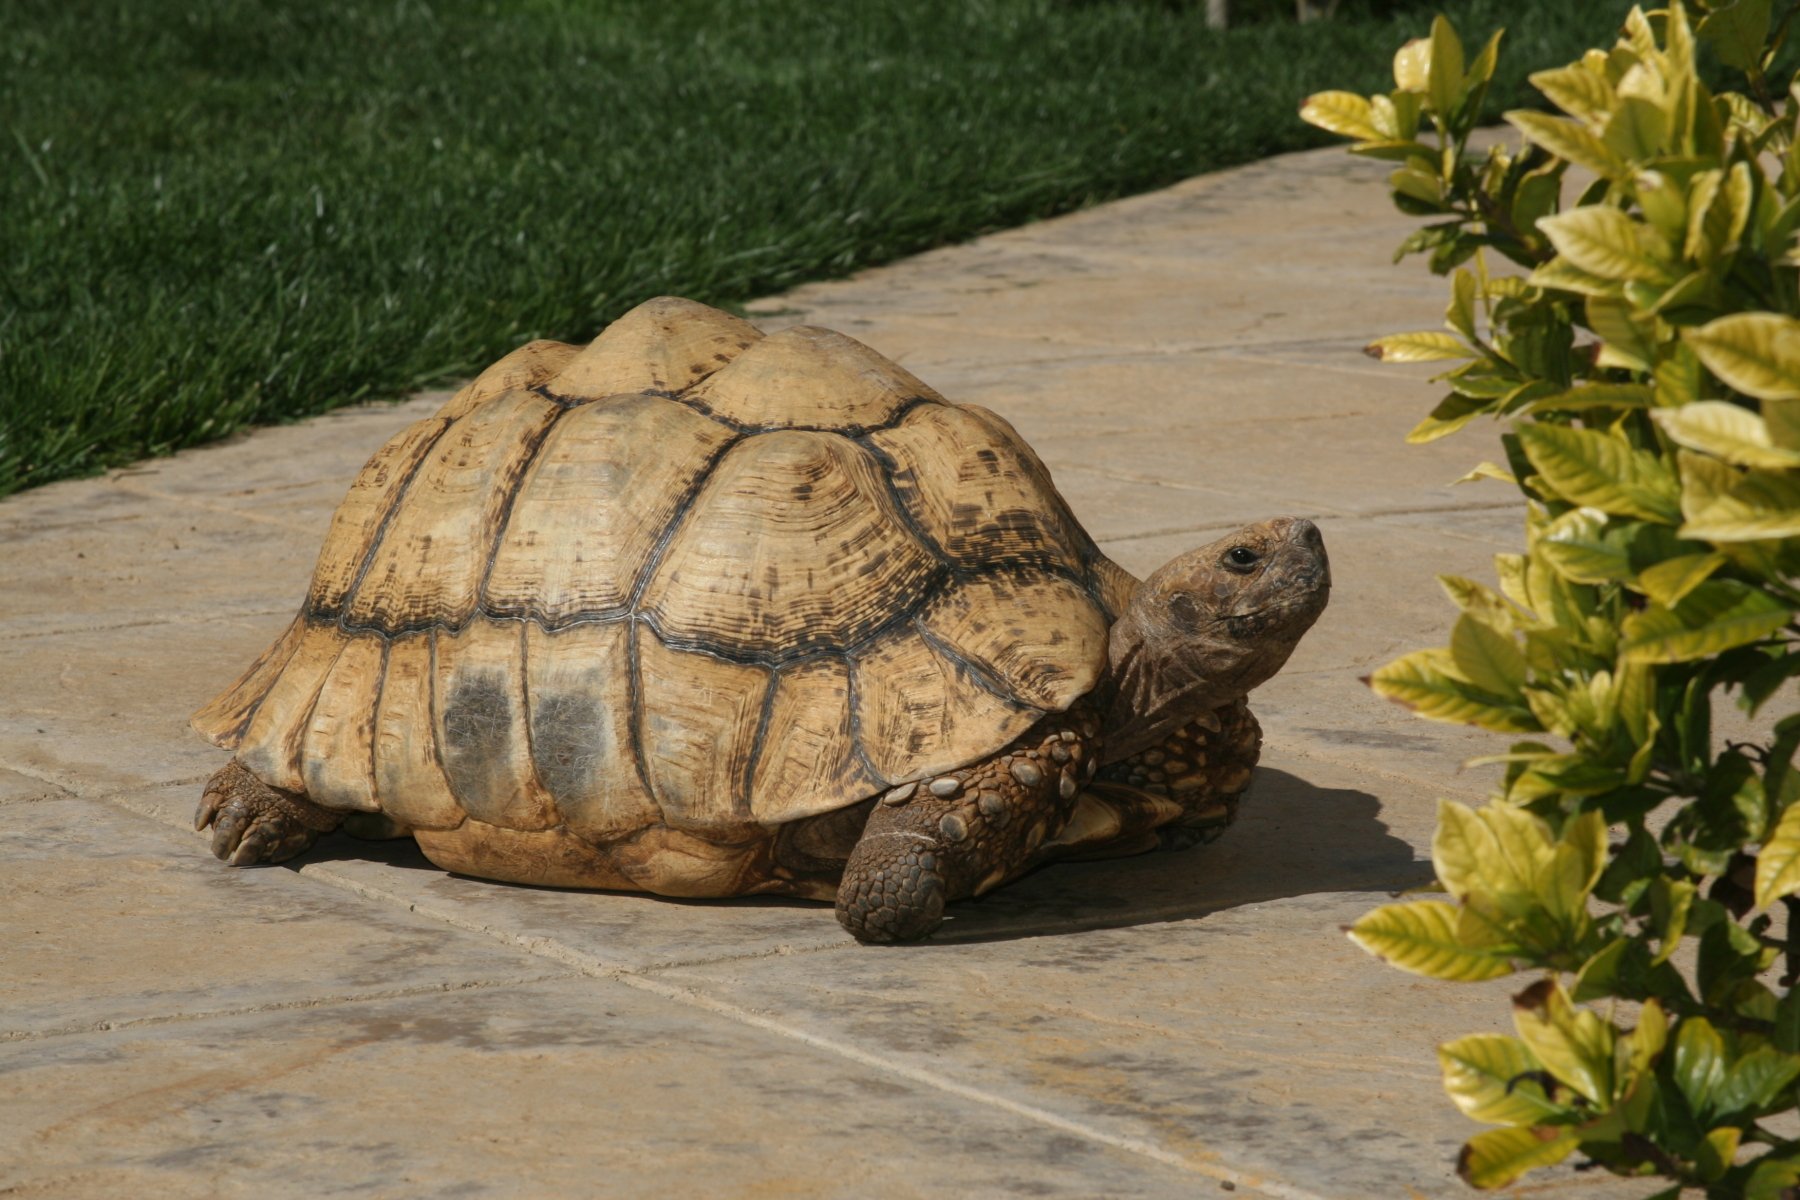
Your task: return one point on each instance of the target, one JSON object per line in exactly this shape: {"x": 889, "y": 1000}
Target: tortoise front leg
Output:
{"x": 964, "y": 832}
{"x": 1203, "y": 768}
{"x": 253, "y": 822}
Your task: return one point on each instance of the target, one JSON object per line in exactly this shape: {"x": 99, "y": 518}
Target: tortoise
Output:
{"x": 701, "y": 612}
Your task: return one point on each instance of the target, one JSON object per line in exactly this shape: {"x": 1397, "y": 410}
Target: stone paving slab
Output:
{"x": 577, "y": 1087}
{"x": 91, "y": 892}
{"x": 1167, "y": 1026}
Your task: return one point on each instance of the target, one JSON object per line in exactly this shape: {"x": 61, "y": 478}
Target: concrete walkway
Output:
{"x": 1169, "y": 1026}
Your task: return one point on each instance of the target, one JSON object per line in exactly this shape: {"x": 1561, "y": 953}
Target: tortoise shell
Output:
{"x": 688, "y": 577}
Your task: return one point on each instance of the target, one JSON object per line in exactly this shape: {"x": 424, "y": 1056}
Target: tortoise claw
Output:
{"x": 253, "y": 822}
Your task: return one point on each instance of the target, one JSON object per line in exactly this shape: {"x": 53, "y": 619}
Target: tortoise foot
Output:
{"x": 964, "y": 832}
{"x": 253, "y": 822}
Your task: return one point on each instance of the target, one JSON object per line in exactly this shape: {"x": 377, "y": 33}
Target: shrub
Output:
{"x": 1640, "y": 343}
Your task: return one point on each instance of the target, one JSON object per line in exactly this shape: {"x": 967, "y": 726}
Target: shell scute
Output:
{"x": 479, "y": 718}
{"x": 699, "y": 723}
{"x": 409, "y": 775}
{"x": 919, "y": 712}
{"x": 532, "y": 365}
{"x": 977, "y": 491}
{"x": 808, "y": 761}
{"x": 338, "y": 757}
{"x": 793, "y": 544}
{"x": 605, "y": 484}
{"x": 807, "y": 377}
{"x": 428, "y": 565}
{"x": 579, "y": 682}
{"x": 663, "y": 345}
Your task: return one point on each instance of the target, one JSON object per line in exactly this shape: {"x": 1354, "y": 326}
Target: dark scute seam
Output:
{"x": 525, "y": 721}
{"x": 854, "y": 432}
{"x": 431, "y": 714}
{"x": 889, "y": 466}
{"x": 375, "y": 723}
{"x": 935, "y": 585}
{"x": 984, "y": 679}
{"x": 634, "y": 692}
{"x": 1044, "y": 560}
{"x": 526, "y": 468}
{"x": 756, "y": 745}
{"x": 682, "y": 507}
{"x": 853, "y": 698}
{"x": 381, "y": 528}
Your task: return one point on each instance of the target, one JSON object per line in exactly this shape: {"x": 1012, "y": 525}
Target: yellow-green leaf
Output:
{"x": 1427, "y": 682}
{"x": 1559, "y": 274}
{"x": 1637, "y": 127}
{"x": 1444, "y": 88}
{"x": 1495, "y": 1157}
{"x": 1574, "y": 1044}
{"x": 1578, "y": 546}
{"x": 1489, "y": 1077}
{"x": 1728, "y": 431}
{"x": 1627, "y": 337}
{"x": 1603, "y": 241}
{"x": 1699, "y": 1062}
{"x": 1510, "y": 570}
{"x": 1756, "y": 353}
{"x": 1668, "y": 581}
{"x": 1412, "y": 66}
{"x": 1718, "y": 1150}
{"x": 1450, "y": 415}
{"x": 1704, "y": 481}
{"x": 1569, "y": 140}
{"x": 1706, "y": 233}
{"x": 1461, "y": 314}
{"x": 1644, "y": 1045}
{"x": 1596, "y": 395}
{"x": 1580, "y": 855}
{"x": 1344, "y": 113}
{"x": 1500, "y": 856}
{"x": 1759, "y": 506}
{"x": 1486, "y": 657}
{"x": 1576, "y": 90}
{"x": 1586, "y": 467}
{"x": 1487, "y": 470}
{"x": 1715, "y": 617}
{"x": 1782, "y": 417}
{"x": 1778, "y": 863}
{"x": 1773, "y": 1179}
{"x": 1427, "y": 346}
{"x": 1670, "y": 902}
{"x": 1420, "y": 936}
{"x": 1481, "y": 601}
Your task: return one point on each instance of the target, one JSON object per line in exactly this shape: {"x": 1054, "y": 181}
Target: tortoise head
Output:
{"x": 1212, "y": 624}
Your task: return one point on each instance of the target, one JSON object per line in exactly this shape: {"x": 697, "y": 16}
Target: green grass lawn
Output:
{"x": 221, "y": 212}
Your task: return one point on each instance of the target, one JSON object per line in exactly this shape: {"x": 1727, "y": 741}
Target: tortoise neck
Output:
{"x": 1149, "y": 693}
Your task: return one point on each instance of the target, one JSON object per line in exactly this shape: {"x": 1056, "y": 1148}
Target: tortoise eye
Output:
{"x": 1241, "y": 558}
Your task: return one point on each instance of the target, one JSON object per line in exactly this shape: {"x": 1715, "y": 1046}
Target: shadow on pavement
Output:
{"x": 1293, "y": 838}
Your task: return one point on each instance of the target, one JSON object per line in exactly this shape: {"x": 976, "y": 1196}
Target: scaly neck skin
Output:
{"x": 1208, "y": 627}
{"x": 1152, "y": 694}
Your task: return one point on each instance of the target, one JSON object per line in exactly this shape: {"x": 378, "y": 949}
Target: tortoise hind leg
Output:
{"x": 964, "y": 832}
{"x": 253, "y": 822}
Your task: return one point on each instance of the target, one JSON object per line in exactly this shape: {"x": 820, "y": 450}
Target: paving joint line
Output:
{"x": 15, "y": 1036}
{"x": 585, "y": 964}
